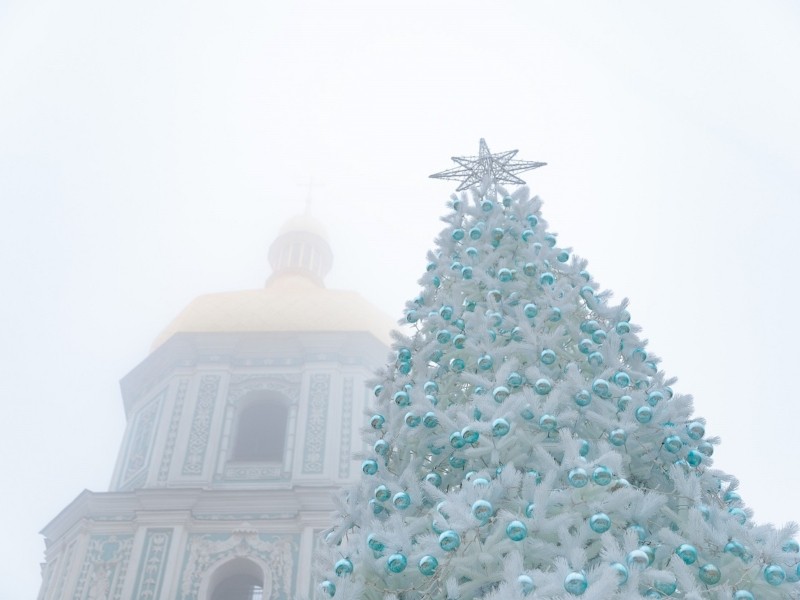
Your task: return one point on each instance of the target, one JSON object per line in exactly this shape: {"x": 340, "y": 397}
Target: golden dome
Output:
{"x": 294, "y": 298}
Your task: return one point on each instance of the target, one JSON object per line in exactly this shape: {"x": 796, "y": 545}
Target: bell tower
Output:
{"x": 242, "y": 422}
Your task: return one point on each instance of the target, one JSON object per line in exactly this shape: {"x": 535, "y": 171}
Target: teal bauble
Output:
{"x": 487, "y": 205}
{"x": 434, "y": 479}
{"x": 436, "y": 281}
{"x": 457, "y": 440}
{"x": 430, "y": 387}
{"x": 562, "y": 256}
{"x": 687, "y": 553}
{"x": 673, "y": 444}
{"x": 404, "y": 367}
{"x": 743, "y": 595}
{"x": 583, "y": 398}
{"x": 599, "y": 336}
{"x": 497, "y": 234}
{"x": 401, "y": 398}
{"x": 377, "y": 507}
{"x": 472, "y": 252}
{"x": 432, "y": 399}
{"x": 734, "y": 547}
{"x": 576, "y": 584}
{"x": 412, "y": 316}
{"x": 595, "y": 359}
{"x": 500, "y": 393}
{"x": 529, "y": 510}
{"x": 791, "y": 546}
{"x": 583, "y": 449}
{"x": 382, "y": 493}
{"x": 381, "y": 447}
{"x": 585, "y": 346}
{"x": 449, "y": 540}
{"x": 397, "y": 563}
{"x": 343, "y": 567}
{"x": 622, "y": 379}
{"x": 622, "y": 328}
{"x": 504, "y": 275}
{"x": 457, "y": 462}
{"x": 458, "y": 234}
{"x": 430, "y": 420}
{"x": 377, "y": 390}
{"x": 457, "y": 365}
{"x": 482, "y": 510}
{"x": 516, "y": 334}
{"x": 617, "y": 437}
{"x": 516, "y": 531}
{"x": 466, "y": 273}
{"x": 732, "y": 497}
{"x": 774, "y": 574}
{"x": 640, "y": 531}
{"x": 459, "y": 340}
{"x": 526, "y": 413}
{"x": 412, "y": 420}
{"x": 550, "y": 239}
{"x": 548, "y": 357}
{"x": 695, "y": 430}
{"x": 555, "y": 314}
{"x": 654, "y": 397}
{"x": 623, "y": 402}
{"x": 644, "y": 414}
{"x": 535, "y": 475}
{"x": 622, "y": 572}
{"x": 602, "y": 475}
{"x": 478, "y": 482}
{"x": 369, "y": 467}
{"x": 374, "y": 543}
{"x": 578, "y": 477}
{"x": 485, "y": 362}
{"x": 514, "y": 379}
{"x": 500, "y": 427}
{"x": 475, "y": 233}
{"x": 377, "y": 421}
{"x": 527, "y": 234}
{"x": 533, "y": 220}
{"x": 525, "y": 584}
{"x": 601, "y": 388}
{"x": 547, "y": 278}
{"x": 548, "y": 423}
{"x": 328, "y": 587}
{"x": 587, "y": 292}
{"x": 637, "y": 559}
{"x": 427, "y": 565}
{"x": 667, "y": 587}
{"x": 401, "y": 500}
{"x": 710, "y": 574}
{"x": 542, "y": 386}
{"x": 529, "y": 269}
{"x": 470, "y": 435}
{"x": 589, "y": 326}
{"x": 694, "y": 458}
{"x": 600, "y": 522}
{"x": 705, "y": 448}
{"x": 530, "y": 310}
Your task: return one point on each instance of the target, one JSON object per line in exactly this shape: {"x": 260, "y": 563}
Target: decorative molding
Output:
{"x": 105, "y": 564}
{"x": 62, "y": 579}
{"x": 204, "y": 551}
{"x": 253, "y": 472}
{"x": 287, "y": 384}
{"x": 141, "y": 441}
{"x": 201, "y": 425}
{"x": 49, "y": 569}
{"x": 152, "y": 564}
{"x": 244, "y": 516}
{"x": 316, "y": 422}
{"x": 346, "y": 430}
{"x": 172, "y": 432}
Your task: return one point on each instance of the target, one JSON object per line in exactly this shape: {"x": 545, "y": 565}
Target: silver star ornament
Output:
{"x": 498, "y": 168}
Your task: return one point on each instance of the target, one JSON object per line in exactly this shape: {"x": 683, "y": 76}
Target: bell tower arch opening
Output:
{"x": 238, "y": 579}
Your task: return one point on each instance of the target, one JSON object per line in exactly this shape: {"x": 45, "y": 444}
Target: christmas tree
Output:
{"x": 525, "y": 443}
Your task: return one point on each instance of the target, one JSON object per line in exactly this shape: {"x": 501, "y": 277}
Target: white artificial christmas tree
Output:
{"x": 526, "y": 445}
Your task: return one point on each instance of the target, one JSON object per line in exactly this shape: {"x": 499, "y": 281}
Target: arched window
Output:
{"x": 239, "y": 579}
{"x": 260, "y": 432}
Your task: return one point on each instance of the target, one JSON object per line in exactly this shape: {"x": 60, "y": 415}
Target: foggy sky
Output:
{"x": 150, "y": 151}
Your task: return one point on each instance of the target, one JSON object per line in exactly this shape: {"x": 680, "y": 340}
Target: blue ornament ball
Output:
{"x": 369, "y": 467}
{"x": 622, "y": 572}
{"x": 654, "y": 397}
{"x": 548, "y": 423}
{"x": 555, "y": 314}
{"x": 637, "y": 559}
{"x": 710, "y": 574}
{"x": 500, "y": 427}
{"x": 381, "y": 447}
{"x": 470, "y": 435}
{"x": 466, "y": 273}
{"x": 514, "y": 379}
{"x": 599, "y": 336}
{"x": 516, "y": 531}
{"x": 547, "y": 278}
{"x": 774, "y": 574}
{"x": 617, "y": 437}
{"x": 401, "y": 500}
{"x": 529, "y": 510}
{"x": 791, "y": 546}
{"x": 457, "y": 440}
{"x": 377, "y": 421}
{"x": 673, "y": 444}
{"x": 542, "y": 386}
{"x": 449, "y": 540}
{"x": 428, "y": 565}
{"x": 343, "y": 567}
{"x": 583, "y": 449}
{"x": 396, "y": 563}
{"x": 667, "y": 587}
{"x": 601, "y": 388}
{"x": 412, "y": 420}
{"x": 548, "y": 357}
{"x": 622, "y": 328}
{"x": 600, "y": 522}
{"x": 434, "y": 479}
{"x": 530, "y": 310}
{"x": 694, "y": 458}
{"x": 430, "y": 420}
{"x": 328, "y": 587}
{"x": 576, "y": 584}
{"x": 374, "y": 543}
{"x": 585, "y": 346}
{"x": 583, "y": 398}
{"x": 482, "y": 510}
{"x": 527, "y": 413}
{"x": 743, "y": 595}
{"x": 644, "y": 414}
{"x": 485, "y": 362}
{"x": 526, "y": 584}
{"x": 457, "y": 462}
{"x": 602, "y": 475}
{"x": 622, "y": 379}
{"x": 458, "y": 234}
{"x": 578, "y": 477}
{"x": 457, "y": 364}
{"x": 500, "y": 393}
{"x": 695, "y": 430}
{"x": 687, "y": 553}
{"x": 377, "y": 507}
{"x": 382, "y": 493}
{"x": 401, "y": 398}
{"x": 562, "y": 256}
{"x": 596, "y": 359}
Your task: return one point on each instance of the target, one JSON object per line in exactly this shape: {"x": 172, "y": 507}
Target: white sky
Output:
{"x": 150, "y": 151}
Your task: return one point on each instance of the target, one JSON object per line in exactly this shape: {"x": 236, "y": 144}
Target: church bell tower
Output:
{"x": 241, "y": 424}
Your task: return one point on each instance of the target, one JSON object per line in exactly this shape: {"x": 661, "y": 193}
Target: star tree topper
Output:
{"x": 498, "y": 168}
